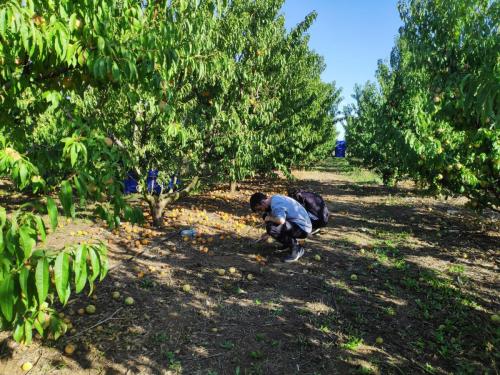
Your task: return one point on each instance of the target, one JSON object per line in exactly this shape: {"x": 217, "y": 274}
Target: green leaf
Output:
{"x": 7, "y": 297}
{"x": 38, "y": 326}
{"x": 23, "y": 282}
{"x": 52, "y": 211}
{"x": 23, "y": 174}
{"x": 3, "y": 217}
{"x": 18, "y": 333}
{"x": 28, "y": 332}
{"x": 41, "y": 228}
{"x": 80, "y": 268}
{"x": 81, "y": 188}
{"x": 103, "y": 256}
{"x": 3, "y": 220}
{"x": 3, "y": 21}
{"x": 57, "y": 327}
{"x": 101, "y": 43}
{"x": 66, "y": 197}
{"x": 61, "y": 274}
{"x": 96, "y": 267}
{"x": 42, "y": 279}
{"x": 115, "y": 72}
{"x": 74, "y": 154}
{"x": 27, "y": 240}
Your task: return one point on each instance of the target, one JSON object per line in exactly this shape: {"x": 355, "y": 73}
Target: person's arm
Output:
{"x": 275, "y": 219}
{"x": 277, "y": 215}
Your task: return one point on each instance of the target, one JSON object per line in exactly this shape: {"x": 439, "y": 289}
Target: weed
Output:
{"x": 256, "y": 354}
{"x": 390, "y": 311}
{"x": 470, "y": 303}
{"x": 410, "y": 283}
{"x": 256, "y": 369}
{"x": 428, "y": 367}
{"x": 302, "y": 341}
{"x": 147, "y": 283}
{"x": 159, "y": 338}
{"x": 390, "y": 287}
{"x": 352, "y": 343}
{"x": 325, "y": 329}
{"x": 400, "y": 264}
{"x": 260, "y": 336}
{"x": 278, "y": 311}
{"x": 456, "y": 269}
{"x": 227, "y": 345}
{"x": 365, "y": 370}
{"x": 419, "y": 345}
{"x": 173, "y": 364}
{"x": 275, "y": 343}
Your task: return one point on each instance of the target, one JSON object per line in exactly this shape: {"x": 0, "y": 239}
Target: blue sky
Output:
{"x": 350, "y": 34}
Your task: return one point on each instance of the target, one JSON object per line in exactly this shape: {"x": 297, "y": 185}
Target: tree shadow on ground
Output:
{"x": 313, "y": 317}
{"x": 316, "y": 317}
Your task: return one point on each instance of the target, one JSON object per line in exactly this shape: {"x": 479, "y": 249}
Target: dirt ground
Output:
{"x": 397, "y": 283}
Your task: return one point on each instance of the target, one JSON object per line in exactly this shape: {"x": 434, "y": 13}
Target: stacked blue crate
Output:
{"x": 340, "y": 148}
{"x": 131, "y": 183}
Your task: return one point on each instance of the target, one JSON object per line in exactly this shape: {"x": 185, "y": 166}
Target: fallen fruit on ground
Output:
{"x": 186, "y": 288}
{"x": 232, "y": 270}
{"x": 354, "y": 277}
{"x": 90, "y": 309}
{"x": 250, "y": 276}
{"x": 116, "y": 295}
{"x": 27, "y": 366}
{"x": 69, "y": 349}
{"x": 221, "y": 271}
{"x": 379, "y": 340}
{"x": 129, "y": 301}
{"x": 317, "y": 257}
{"x": 495, "y": 318}
{"x": 81, "y": 311}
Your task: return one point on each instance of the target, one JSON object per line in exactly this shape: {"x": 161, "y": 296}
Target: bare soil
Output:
{"x": 419, "y": 273}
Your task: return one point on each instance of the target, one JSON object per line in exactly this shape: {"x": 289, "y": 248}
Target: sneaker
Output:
{"x": 297, "y": 252}
{"x": 316, "y": 231}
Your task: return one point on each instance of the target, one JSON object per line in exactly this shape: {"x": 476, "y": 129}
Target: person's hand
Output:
{"x": 264, "y": 237}
{"x": 269, "y": 218}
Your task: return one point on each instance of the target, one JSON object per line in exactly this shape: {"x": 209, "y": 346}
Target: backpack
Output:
{"x": 313, "y": 203}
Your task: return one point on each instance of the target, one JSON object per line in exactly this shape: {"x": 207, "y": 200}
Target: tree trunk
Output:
{"x": 157, "y": 209}
{"x": 233, "y": 186}
{"x": 157, "y": 203}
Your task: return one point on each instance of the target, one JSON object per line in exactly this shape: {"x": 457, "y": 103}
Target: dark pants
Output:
{"x": 286, "y": 233}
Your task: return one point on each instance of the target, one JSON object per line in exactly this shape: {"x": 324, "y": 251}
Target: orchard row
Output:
{"x": 433, "y": 116}
{"x": 92, "y": 90}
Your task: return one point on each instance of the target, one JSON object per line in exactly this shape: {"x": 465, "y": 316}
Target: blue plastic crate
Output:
{"x": 131, "y": 183}
{"x": 340, "y": 149}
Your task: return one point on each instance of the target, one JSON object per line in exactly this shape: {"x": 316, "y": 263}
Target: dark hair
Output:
{"x": 256, "y": 200}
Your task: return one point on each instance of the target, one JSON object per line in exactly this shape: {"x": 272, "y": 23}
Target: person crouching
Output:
{"x": 286, "y": 221}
